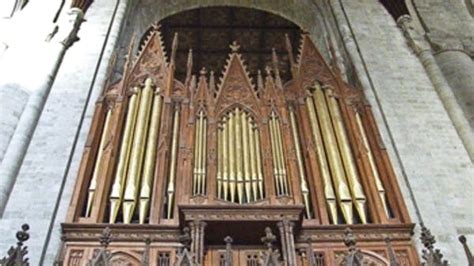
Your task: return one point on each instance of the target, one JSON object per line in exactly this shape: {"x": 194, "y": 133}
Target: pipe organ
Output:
{"x": 164, "y": 154}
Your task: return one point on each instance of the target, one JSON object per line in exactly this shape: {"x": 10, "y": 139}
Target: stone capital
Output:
{"x": 415, "y": 39}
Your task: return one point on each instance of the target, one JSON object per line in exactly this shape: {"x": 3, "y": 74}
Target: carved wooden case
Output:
{"x": 162, "y": 153}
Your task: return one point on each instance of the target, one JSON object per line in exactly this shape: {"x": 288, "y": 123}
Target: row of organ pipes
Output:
{"x": 239, "y": 163}
{"x": 239, "y": 166}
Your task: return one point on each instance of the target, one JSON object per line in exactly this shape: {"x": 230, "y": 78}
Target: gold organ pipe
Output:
{"x": 150, "y": 154}
{"x": 232, "y": 169}
{"x": 373, "y": 167}
{"x": 124, "y": 156}
{"x": 352, "y": 176}
{"x": 199, "y": 153}
{"x": 204, "y": 155}
{"x": 253, "y": 159}
{"x": 174, "y": 153}
{"x": 339, "y": 179}
{"x": 220, "y": 160}
{"x": 246, "y": 157}
{"x": 282, "y": 157}
{"x": 323, "y": 163}
{"x": 225, "y": 164}
{"x": 196, "y": 155}
{"x": 259, "y": 163}
{"x": 136, "y": 158}
{"x": 239, "y": 157}
{"x": 276, "y": 163}
{"x": 98, "y": 163}
{"x": 303, "y": 183}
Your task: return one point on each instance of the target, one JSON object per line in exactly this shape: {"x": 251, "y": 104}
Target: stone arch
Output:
{"x": 310, "y": 15}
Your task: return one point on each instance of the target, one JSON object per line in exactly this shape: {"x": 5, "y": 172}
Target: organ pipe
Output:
{"x": 282, "y": 157}
{"x": 352, "y": 176}
{"x": 238, "y": 163}
{"x": 239, "y": 157}
{"x": 98, "y": 163}
{"x": 303, "y": 182}
{"x": 136, "y": 157}
{"x": 116, "y": 195}
{"x": 373, "y": 167}
{"x": 337, "y": 170}
{"x": 259, "y": 163}
{"x": 253, "y": 159}
{"x": 225, "y": 158}
{"x": 246, "y": 155}
{"x": 322, "y": 160}
{"x": 220, "y": 161}
{"x": 276, "y": 166}
{"x": 150, "y": 154}
{"x": 204, "y": 154}
{"x": 172, "y": 168}
{"x": 231, "y": 142}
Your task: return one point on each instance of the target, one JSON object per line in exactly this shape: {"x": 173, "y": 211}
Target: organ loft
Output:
{"x": 230, "y": 141}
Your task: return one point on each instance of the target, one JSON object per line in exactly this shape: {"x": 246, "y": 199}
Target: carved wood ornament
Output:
{"x": 303, "y": 156}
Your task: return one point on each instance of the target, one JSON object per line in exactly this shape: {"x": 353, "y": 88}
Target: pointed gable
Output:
{"x": 235, "y": 85}
{"x": 312, "y": 66}
{"x": 150, "y": 62}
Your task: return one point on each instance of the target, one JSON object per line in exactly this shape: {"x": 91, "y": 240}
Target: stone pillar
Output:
{"x": 287, "y": 242}
{"x": 445, "y": 92}
{"x": 454, "y": 60}
{"x": 197, "y": 236}
{"x": 20, "y": 140}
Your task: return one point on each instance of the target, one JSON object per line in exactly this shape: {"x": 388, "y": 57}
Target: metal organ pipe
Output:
{"x": 118, "y": 186}
{"x": 338, "y": 176}
{"x": 150, "y": 154}
{"x": 98, "y": 163}
{"x": 303, "y": 183}
{"x": 172, "y": 169}
{"x": 323, "y": 162}
{"x": 136, "y": 158}
{"x": 352, "y": 176}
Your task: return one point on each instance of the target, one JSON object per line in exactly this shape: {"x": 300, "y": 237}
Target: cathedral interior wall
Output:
{"x": 425, "y": 149}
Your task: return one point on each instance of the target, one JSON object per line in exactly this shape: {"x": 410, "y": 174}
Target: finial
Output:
{"x": 189, "y": 66}
{"x": 426, "y": 237}
{"x": 259, "y": 81}
{"x": 268, "y": 71}
{"x": 174, "y": 48}
{"x": 275, "y": 68}
{"x": 105, "y": 237}
{"x": 349, "y": 239}
{"x": 269, "y": 238}
{"x": 203, "y": 71}
{"x": 185, "y": 238}
{"x": 463, "y": 241}
{"x": 234, "y": 47}
{"x": 289, "y": 50}
{"x": 212, "y": 83}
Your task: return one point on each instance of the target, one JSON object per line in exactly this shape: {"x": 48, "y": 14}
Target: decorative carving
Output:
{"x": 354, "y": 257}
{"x": 271, "y": 257}
{"x": 432, "y": 257}
{"x": 228, "y": 251}
{"x": 16, "y": 256}
{"x": 102, "y": 257}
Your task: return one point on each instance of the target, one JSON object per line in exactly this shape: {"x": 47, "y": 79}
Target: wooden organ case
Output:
{"x": 231, "y": 157}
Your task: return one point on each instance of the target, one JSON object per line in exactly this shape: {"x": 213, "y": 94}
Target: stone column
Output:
{"x": 422, "y": 49}
{"x": 454, "y": 59}
{"x": 287, "y": 242}
{"x": 197, "y": 236}
{"x": 13, "y": 158}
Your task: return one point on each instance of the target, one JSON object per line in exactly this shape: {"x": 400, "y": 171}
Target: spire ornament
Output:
{"x": 234, "y": 47}
{"x": 17, "y": 255}
{"x": 432, "y": 256}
